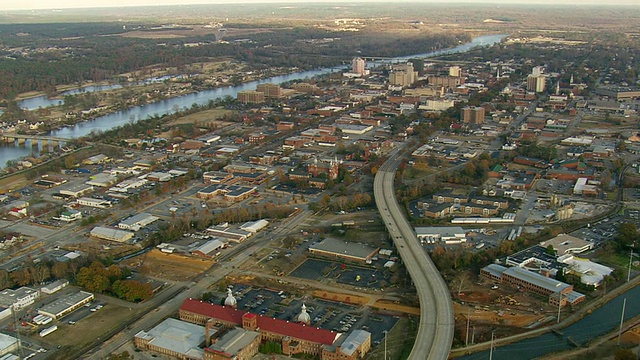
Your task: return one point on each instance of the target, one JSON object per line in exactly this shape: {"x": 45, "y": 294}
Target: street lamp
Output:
{"x": 385, "y": 344}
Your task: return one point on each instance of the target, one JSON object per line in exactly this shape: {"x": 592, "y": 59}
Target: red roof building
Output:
{"x": 295, "y": 337}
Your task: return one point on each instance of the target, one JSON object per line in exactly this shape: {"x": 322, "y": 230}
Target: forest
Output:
{"x": 40, "y": 57}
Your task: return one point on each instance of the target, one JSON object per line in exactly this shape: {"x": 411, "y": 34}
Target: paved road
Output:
{"x": 435, "y": 332}
{"x": 169, "y": 301}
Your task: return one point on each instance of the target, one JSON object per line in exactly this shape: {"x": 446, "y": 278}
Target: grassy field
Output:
{"x": 617, "y": 260}
{"x": 87, "y": 331}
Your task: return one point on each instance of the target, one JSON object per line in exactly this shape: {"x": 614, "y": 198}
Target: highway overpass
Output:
{"x": 435, "y": 332}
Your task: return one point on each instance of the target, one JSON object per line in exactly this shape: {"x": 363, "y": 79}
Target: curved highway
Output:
{"x": 435, "y": 332}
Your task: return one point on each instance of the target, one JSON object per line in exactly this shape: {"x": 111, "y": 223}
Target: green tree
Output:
{"x": 627, "y": 235}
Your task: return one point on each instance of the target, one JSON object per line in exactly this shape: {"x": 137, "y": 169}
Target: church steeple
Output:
{"x": 304, "y": 317}
{"x": 230, "y": 300}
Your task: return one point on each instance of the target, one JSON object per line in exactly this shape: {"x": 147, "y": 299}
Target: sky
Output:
{"x": 62, "y": 4}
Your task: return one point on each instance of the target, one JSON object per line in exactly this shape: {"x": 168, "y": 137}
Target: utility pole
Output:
{"x": 385, "y": 344}
{"x": 630, "y": 260}
{"x": 491, "y": 351}
{"x": 15, "y": 324}
{"x": 559, "y": 305}
{"x": 466, "y": 340}
{"x": 624, "y": 305}
{"x": 473, "y": 336}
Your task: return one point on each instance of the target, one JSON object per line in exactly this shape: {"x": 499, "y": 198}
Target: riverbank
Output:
{"x": 570, "y": 320}
{"x": 170, "y": 105}
{"x": 595, "y": 349}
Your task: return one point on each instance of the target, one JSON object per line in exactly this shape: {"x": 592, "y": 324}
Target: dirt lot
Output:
{"x": 207, "y": 118}
{"x": 349, "y": 299}
{"x": 169, "y": 266}
{"x": 103, "y": 248}
{"x": 392, "y": 306}
{"x": 505, "y": 309}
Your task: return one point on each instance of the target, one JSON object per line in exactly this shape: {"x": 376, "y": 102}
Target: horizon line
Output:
{"x": 180, "y": 3}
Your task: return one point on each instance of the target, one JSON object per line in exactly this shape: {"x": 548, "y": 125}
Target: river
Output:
{"x": 601, "y": 321}
{"x": 167, "y": 106}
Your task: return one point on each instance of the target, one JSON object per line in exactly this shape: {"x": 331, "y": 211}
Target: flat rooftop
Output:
{"x": 339, "y": 247}
{"x": 564, "y": 244}
{"x": 178, "y": 336}
{"x": 61, "y": 304}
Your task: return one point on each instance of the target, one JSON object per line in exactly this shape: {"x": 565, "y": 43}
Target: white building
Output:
{"x": 92, "y": 202}
{"x": 76, "y": 190}
{"x": 254, "y": 226}
{"x": 590, "y": 273}
{"x": 129, "y": 184}
{"x": 448, "y": 235}
{"x": 19, "y": 298}
{"x": 102, "y": 180}
{"x": 436, "y": 105}
{"x": 111, "y": 234}
{"x": 567, "y": 244}
{"x": 209, "y": 138}
{"x": 209, "y": 249}
{"x": 173, "y": 337}
{"x": 70, "y": 215}
{"x": 137, "y": 222}
{"x": 54, "y": 286}
{"x": 5, "y": 312}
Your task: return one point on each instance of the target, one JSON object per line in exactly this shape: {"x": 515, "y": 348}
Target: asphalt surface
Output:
{"x": 436, "y": 327}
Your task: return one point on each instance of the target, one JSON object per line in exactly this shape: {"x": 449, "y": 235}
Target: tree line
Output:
{"x": 94, "y": 276}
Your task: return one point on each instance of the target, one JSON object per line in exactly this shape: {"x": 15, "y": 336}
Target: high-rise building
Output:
{"x": 536, "y": 83}
{"x": 537, "y": 71}
{"x": 472, "y": 115}
{"x": 403, "y": 74}
{"x": 455, "y": 71}
{"x": 250, "y": 97}
{"x": 271, "y": 91}
{"x": 358, "y": 65}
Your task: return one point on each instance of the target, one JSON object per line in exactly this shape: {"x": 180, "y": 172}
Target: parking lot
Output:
{"x": 314, "y": 269}
{"x": 328, "y": 315}
{"x": 606, "y": 229}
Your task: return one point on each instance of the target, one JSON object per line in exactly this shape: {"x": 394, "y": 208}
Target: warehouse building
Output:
{"x": 102, "y": 180}
{"x": 448, "y": 235}
{"x": 76, "y": 190}
{"x": 254, "y": 226}
{"x": 235, "y": 235}
{"x": 137, "y": 222}
{"x": 96, "y": 203}
{"x": 111, "y": 234}
{"x": 54, "y": 286}
{"x": 209, "y": 249}
{"x": 63, "y": 306}
{"x": 337, "y": 249}
{"x": 173, "y": 338}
